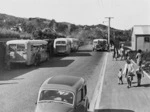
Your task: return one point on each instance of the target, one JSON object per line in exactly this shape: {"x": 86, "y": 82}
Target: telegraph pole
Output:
{"x": 109, "y": 18}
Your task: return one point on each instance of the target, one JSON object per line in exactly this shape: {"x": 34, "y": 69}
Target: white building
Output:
{"x": 140, "y": 37}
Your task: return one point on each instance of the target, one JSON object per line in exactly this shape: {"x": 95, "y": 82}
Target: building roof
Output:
{"x": 71, "y": 83}
{"x": 141, "y": 29}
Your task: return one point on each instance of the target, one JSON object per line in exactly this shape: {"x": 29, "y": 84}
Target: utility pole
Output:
{"x": 109, "y": 18}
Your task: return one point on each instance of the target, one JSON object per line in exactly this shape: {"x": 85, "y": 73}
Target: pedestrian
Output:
{"x": 116, "y": 47}
{"x": 128, "y": 72}
{"x": 115, "y": 53}
{"x": 127, "y": 54}
{"x": 8, "y": 62}
{"x": 139, "y": 74}
{"x": 139, "y": 57}
{"x": 121, "y": 51}
{"x": 120, "y": 74}
{"x": 37, "y": 57}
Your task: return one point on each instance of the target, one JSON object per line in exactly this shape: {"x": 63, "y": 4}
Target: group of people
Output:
{"x": 129, "y": 72}
{"x": 120, "y": 52}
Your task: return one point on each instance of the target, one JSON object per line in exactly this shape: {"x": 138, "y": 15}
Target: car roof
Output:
{"x": 61, "y": 39}
{"x": 26, "y": 41}
{"x": 70, "y": 83}
{"x": 100, "y": 40}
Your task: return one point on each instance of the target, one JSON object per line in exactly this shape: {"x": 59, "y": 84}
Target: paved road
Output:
{"x": 118, "y": 98}
{"x": 19, "y": 87}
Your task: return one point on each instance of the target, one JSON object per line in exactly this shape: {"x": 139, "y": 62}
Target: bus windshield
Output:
{"x": 12, "y": 47}
{"x": 60, "y": 42}
{"x": 20, "y": 47}
{"x": 16, "y": 47}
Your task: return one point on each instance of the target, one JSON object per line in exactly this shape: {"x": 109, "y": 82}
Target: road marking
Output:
{"x": 94, "y": 104}
{"x": 101, "y": 84}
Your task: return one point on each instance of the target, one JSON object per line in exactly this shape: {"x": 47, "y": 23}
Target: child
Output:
{"x": 120, "y": 76}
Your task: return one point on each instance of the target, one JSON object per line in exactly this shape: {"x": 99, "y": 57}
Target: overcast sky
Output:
{"x": 126, "y": 13}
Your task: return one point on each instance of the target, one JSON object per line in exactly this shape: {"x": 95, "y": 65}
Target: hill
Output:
{"x": 44, "y": 28}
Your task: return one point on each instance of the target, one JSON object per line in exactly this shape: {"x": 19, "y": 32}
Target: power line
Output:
{"x": 100, "y": 4}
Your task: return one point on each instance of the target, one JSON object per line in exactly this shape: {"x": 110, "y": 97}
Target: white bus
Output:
{"x": 74, "y": 44}
{"x": 62, "y": 46}
{"x": 24, "y": 51}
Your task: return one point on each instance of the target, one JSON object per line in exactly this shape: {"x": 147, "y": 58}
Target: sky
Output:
{"x": 125, "y": 13}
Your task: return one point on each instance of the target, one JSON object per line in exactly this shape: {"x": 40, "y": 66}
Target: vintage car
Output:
{"x": 63, "y": 94}
{"x": 100, "y": 44}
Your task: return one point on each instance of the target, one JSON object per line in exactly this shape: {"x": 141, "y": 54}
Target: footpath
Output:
{"x": 119, "y": 98}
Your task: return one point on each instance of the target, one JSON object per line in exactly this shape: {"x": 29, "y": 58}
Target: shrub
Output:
{"x": 4, "y": 33}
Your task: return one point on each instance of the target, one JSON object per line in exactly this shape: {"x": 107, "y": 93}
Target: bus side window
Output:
{"x": 34, "y": 49}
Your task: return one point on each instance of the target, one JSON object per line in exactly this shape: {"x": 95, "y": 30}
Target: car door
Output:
{"x": 80, "y": 103}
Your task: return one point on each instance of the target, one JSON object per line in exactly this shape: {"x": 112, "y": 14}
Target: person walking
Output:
{"x": 37, "y": 57}
{"x": 139, "y": 74}
{"x": 116, "y": 48}
{"x": 8, "y": 62}
{"x": 139, "y": 57}
{"x": 126, "y": 56}
{"x": 115, "y": 53}
{"x": 128, "y": 72}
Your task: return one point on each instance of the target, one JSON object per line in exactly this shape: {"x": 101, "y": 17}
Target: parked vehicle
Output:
{"x": 62, "y": 46}
{"x": 63, "y": 94}
{"x": 100, "y": 44}
{"x": 74, "y": 44}
{"x": 26, "y": 51}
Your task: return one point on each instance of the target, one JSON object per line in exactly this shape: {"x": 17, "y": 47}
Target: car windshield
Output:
{"x": 95, "y": 42}
{"x": 57, "y": 95}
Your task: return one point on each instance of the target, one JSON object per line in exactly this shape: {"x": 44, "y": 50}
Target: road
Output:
{"x": 19, "y": 86}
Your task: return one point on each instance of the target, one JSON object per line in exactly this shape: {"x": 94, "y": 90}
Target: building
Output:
{"x": 140, "y": 38}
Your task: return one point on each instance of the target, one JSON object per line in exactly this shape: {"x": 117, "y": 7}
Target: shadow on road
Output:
{"x": 113, "y": 110}
{"x": 143, "y": 85}
{"x": 21, "y": 69}
{"x": 132, "y": 82}
{"x": 15, "y": 72}
{"x": 16, "y": 66}
{"x": 58, "y": 63}
{"x": 84, "y": 50}
{"x": 8, "y": 83}
{"x": 80, "y": 54}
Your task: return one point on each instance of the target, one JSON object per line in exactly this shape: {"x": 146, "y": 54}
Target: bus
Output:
{"x": 74, "y": 44}
{"x": 100, "y": 44}
{"x": 24, "y": 51}
{"x": 62, "y": 46}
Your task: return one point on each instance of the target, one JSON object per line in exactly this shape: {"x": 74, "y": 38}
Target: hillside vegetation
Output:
{"x": 39, "y": 28}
